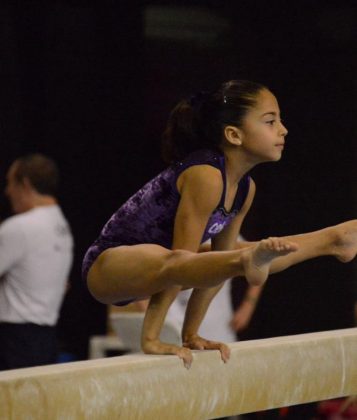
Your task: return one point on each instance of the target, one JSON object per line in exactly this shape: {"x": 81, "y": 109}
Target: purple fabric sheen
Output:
{"x": 149, "y": 215}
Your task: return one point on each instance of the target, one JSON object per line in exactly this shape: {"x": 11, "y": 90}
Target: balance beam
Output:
{"x": 261, "y": 374}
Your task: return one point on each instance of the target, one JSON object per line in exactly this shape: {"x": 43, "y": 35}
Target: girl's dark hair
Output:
{"x": 40, "y": 170}
{"x": 198, "y": 122}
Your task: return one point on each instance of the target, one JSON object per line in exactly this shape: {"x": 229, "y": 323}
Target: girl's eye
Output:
{"x": 271, "y": 122}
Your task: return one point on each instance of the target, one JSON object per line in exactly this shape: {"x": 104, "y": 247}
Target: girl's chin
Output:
{"x": 274, "y": 158}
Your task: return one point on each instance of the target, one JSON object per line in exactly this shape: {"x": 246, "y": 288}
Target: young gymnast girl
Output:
{"x": 151, "y": 245}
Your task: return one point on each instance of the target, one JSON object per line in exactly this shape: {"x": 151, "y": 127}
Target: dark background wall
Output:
{"x": 91, "y": 84}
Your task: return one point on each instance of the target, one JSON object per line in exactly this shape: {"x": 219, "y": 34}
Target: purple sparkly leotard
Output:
{"x": 149, "y": 215}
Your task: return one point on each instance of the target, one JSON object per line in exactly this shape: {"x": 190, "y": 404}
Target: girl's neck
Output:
{"x": 236, "y": 165}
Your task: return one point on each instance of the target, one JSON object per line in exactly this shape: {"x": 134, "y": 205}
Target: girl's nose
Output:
{"x": 284, "y": 130}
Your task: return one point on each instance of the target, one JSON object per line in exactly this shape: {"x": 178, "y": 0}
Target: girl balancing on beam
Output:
{"x": 151, "y": 245}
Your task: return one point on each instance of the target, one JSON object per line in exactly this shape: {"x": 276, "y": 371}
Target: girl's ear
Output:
{"x": 233, "y": 135}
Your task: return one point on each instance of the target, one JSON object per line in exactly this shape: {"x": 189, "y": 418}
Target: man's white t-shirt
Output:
{"x": 36, "y": 253}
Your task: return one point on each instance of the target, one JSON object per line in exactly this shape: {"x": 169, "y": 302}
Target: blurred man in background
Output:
{"x": 36, "y": 250}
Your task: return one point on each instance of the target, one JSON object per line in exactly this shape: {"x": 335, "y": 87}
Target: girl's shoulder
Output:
{"x": 201, "y": 157}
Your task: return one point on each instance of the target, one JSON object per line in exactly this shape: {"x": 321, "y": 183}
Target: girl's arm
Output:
{"x": 201, "y": 298}
{"x": 200, "y": 188}
{"x": 245, "y": 311}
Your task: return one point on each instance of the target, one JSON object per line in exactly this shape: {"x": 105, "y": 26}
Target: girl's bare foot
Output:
{"x": 345, "y": 240}
{"x": 257, "y": 259}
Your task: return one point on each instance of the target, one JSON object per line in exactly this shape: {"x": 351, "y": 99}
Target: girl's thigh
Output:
{"x": 127, "y": 272}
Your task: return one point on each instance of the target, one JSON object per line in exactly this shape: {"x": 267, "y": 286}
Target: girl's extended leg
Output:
{"x": 142, "y": 270}
{"x": 338, "y": 241}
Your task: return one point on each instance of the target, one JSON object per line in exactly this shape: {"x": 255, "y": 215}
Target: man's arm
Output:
{"x": 12, "y": 243}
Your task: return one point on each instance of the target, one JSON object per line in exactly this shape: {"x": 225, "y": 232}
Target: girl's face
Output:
{"x": 263, "y": 134}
